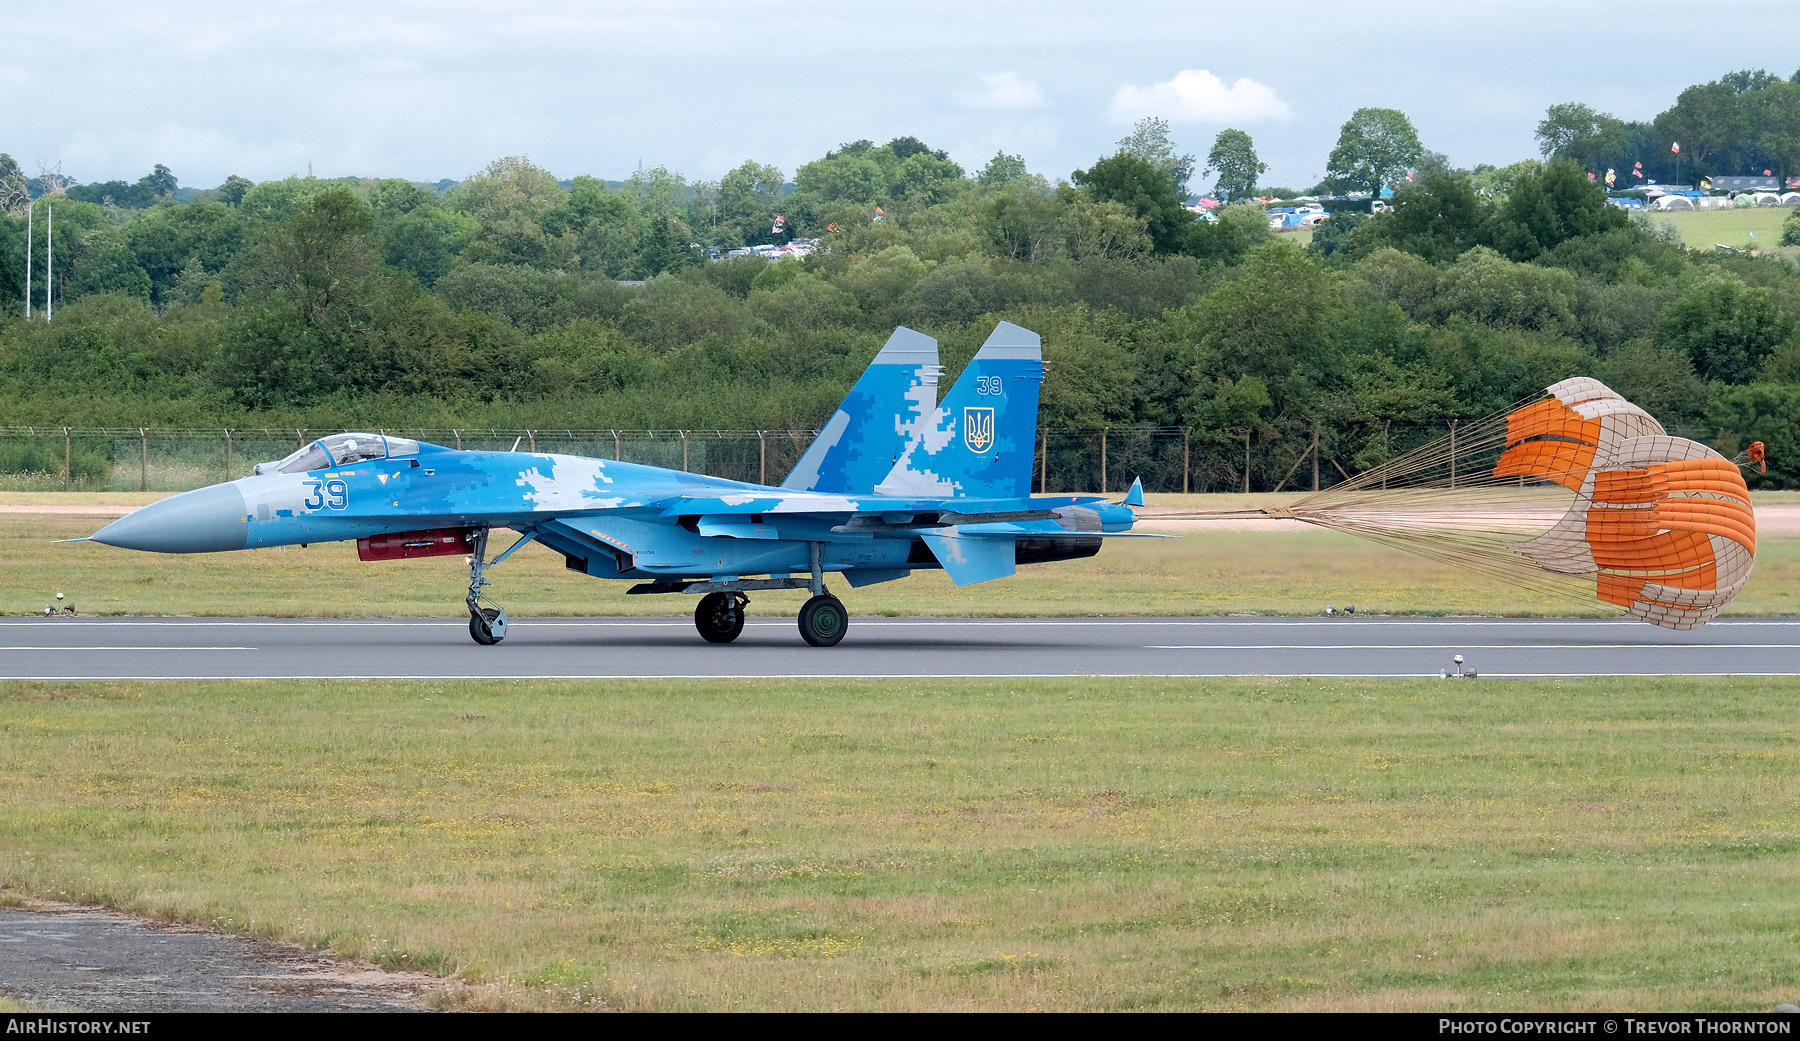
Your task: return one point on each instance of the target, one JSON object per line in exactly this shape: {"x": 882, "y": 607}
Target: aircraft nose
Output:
{"x": 204, "y": 521}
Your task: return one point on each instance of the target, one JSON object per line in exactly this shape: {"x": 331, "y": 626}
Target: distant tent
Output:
{"x": 1791, "y": 199}
{"x": 1744, "y": 201}
{"x": 1674, "y": 202}
{"x": 1768, "y": 199}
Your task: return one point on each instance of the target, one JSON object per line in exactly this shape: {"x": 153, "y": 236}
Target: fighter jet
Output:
{"x": 895, "y": 482}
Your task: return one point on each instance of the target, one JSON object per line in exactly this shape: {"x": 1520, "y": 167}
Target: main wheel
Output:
{"x": 823, "y": 620}
{"x": 720, "y": 616}
{"x": 487, "y": 628}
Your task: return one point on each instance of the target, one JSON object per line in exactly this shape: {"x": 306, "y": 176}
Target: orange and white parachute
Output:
{"x": 1578, "y": 487}
{"x": 1663, "y": 524}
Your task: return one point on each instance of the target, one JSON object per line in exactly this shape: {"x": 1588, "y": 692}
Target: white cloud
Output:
{"x": 1196, "y": 95}
{"x": 1002, "y": 90}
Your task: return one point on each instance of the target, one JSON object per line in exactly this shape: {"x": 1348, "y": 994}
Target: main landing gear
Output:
{"x": 720, "y": 619}
{"x": 720, "y": 614}
{"x": 823, "y": 620}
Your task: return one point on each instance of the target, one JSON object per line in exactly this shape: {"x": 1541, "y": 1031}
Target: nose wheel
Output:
{"x": 487, "y": 625}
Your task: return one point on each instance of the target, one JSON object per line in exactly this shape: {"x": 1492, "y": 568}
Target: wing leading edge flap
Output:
{"x": 972, "y": 559}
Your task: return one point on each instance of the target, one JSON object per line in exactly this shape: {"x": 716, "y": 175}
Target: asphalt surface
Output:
{"x": 89, "y": 961}
{"x": 103, "y": 648}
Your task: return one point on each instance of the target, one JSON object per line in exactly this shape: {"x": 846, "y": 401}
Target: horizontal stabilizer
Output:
{"x": 971, "y": 560}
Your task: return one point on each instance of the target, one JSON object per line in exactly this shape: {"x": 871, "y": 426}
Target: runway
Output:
{"x": 596, "y": 648}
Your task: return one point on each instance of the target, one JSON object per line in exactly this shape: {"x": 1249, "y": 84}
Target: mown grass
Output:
{"x": 1275, "y": 844}
{"x": 1703, "y": 229}
{"x": 1200, "y": 573}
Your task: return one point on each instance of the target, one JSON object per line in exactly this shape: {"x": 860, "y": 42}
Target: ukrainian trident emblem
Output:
{"x": 978, "y": 429}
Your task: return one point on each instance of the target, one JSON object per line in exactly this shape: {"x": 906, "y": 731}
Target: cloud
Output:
{"x": 1196, "y": 95}
{"x": 1002, "y": 90}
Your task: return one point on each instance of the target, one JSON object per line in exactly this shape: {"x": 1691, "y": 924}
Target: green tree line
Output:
{"x": 1742, "y": 123}
{"x": 341, "y": 303}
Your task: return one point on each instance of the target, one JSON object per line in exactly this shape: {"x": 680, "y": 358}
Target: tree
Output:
{"x": 1575, "y": 131}
{"x": 318, "y": 258}
{"x": 508, "y": 188}
{"x": 1438, "y": 218}
{"x": 1149, "y": 141}
{"x": 1102, "y": 229}
{"x": 1233, "y": 158}
{"x": 906, "y": 147}
{"x": 1706, "y": 119}
{"x": 1779, "y": 117}
{"x": 1375, "y": 146}
{"x": 1147, "y": 192}
{"x": 158, "y": 183}
{"x": 1280, "y": 323}
{"x": 1547, "y": 207}
{"x": 232, "y": 191}
{"x": 1726, "y": 327}
{"x": 842, "y": 177}
{"x": 1020, "y": 219}
{"x": 1000, "y": 170}
{"x": 13, "y": 194}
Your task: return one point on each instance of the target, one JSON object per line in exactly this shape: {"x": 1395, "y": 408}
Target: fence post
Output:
{"x": 618, "y": 453}
{"x": 684, "y": 463}
{"x": 531, "y": 435}
{"x": 1246, "y": 462}
{"x": 143, "y": 460}
{"x": 228, "y": 453}
{"x": 458, "y": 434}
{"x": 762, "y": 458}
{"x": 1186, "y": 468}
{"x": 1103, "y": 431}
{"x": 1043, "y": 459}
{"x": 66, "y": 475}
{"x": 1315, "y": 456}
{"x": 1453, "y": 423}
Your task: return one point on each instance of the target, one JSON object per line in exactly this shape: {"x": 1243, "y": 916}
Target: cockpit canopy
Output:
{"x": 341, "y": 450}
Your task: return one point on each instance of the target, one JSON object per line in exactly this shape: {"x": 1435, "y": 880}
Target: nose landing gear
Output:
{"x": 487, "y": 625}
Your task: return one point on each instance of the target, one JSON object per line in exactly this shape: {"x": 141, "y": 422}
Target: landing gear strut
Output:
{"x": 823, "y": 620}
{"x": 720, "y": 616}
{"x": 487, "y": 625}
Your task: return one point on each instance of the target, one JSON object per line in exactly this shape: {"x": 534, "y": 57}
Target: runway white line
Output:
{"x": 1468, "y": 646}
{"x": 865, "y": 622}
{"x": 1486, "y": 676}
{"x": 85, "y": 647}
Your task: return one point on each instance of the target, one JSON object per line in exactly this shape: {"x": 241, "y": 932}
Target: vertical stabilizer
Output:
{"x": 981, "y": 441}
{"x": 866, "y": 435}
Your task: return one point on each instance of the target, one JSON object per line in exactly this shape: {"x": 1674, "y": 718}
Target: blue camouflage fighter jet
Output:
{"x": 895, "y": 482}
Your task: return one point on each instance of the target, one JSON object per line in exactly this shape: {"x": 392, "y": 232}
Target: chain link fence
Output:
{"x": 1104, "y": 460}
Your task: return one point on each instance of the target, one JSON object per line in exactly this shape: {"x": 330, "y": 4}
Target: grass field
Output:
{"x": 1702, "y": 229}
{"x": 1221, "y": 572}
{"x": 1117, "y": 844}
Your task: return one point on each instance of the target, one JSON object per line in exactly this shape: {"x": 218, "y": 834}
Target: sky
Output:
{"x": 426, "y": 91}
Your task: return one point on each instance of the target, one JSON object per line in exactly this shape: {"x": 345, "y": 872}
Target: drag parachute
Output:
{"x": 1580, "y": 493}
